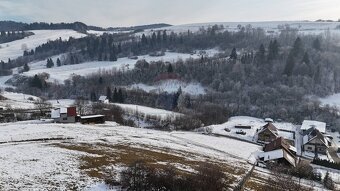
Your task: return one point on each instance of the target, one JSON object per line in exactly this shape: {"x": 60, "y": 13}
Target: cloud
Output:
{"x": 134, "y": 12}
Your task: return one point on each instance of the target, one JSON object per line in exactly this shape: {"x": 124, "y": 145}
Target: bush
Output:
{"x": 141, "y": 177}
{"x": 326, "y": 163}
{"x": 186, "y": 123}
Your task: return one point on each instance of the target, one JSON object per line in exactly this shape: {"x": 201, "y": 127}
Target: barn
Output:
{"x": 92, "y": 119}
{"x": 64, "y": 115}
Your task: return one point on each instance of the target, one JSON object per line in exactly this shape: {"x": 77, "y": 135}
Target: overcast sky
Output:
{"x": 136, "y": 12}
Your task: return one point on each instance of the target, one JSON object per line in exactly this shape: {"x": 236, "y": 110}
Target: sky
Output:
{"x": 114, "y": 13}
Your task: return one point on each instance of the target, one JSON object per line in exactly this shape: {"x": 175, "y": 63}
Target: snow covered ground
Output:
{"x": 270, "y": 27}
{"x": 133, "y": 109}
{"x": 16, "y": 48}
{"x": 18, "y": 100}
{"x": 43, "y": 165}
{"x": 64, "y": 72}
{"x": 332, "y": 100}
{"x": 255, "y": 124}
{"x": 172, "y": 86}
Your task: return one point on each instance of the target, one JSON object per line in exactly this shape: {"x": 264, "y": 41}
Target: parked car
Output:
{"x": 241, "y": 132}
{"x": 227, "y": 129}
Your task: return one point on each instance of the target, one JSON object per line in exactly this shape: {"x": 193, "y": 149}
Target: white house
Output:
{"x": 308, "y": 124}
{"x": 103, "y": 99}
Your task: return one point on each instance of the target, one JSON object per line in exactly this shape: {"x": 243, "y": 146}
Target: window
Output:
{"x": 65, "y": 118}
{"x": 309, "y": 148}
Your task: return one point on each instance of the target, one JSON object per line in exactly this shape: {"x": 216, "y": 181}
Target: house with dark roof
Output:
{"x": 267, "y": 133}
{"x": 314, "y": 141}
{"x": 279, "y": 151}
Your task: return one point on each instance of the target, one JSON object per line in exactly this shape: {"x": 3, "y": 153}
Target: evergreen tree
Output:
{"x": 26, "y": 67}
{"x": 36, "y": 82}
{"x": 170, "y": 69}
{"x": 144, "y": 40}
{"x": 58, "y": 62}
{"x": 165, "y": 37}
{"x": 317, "y": 44}
{"x": 297, "y": 47}
{"x": 93, "y": 96}
{"x": 120, "y": 96}
{"x": 115, "y": 96}
{"x": 119, "y": 48}
{"x": 175, "y": 98}
{"x": 273, "y": 50}
{"x": 50, "y": 63}
{"x": 233, "y": 54}
{"x": 305, "y": 58}
{"x": 261, "y": 54}
{"x": 290, "y": 64}
{"x": 109, "y": 93}
{"x": 100, "y": 80}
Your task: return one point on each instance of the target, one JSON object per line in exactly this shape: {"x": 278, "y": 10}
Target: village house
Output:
{"x": 267, "y": 133}
{"x": 279, "y": 151}
{"x": 64, "y": 115}
{"x": 314, "y": 141}
{"x": 103, "y": 99}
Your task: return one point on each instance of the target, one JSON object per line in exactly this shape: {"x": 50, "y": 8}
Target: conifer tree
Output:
{"x": 58, "y": 62}
{"x": 233, "y": 54}
{"x": 26, "y": 67}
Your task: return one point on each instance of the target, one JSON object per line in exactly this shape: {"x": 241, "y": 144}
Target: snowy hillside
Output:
{"x": 271, "y": 27}
{"x": 172, "y": 86}
{"x": 16, "y": 48}
{"x": 133, "y": 109}
{"x": 26, "y": 165}
{"x": 64, "y": 72}
{"x": 18, "y": 100}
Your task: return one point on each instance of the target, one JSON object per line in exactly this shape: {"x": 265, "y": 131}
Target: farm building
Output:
{"x": 267, "y": 133}
{"x": 90, "y": 119}
{"x": 64, "y": 115}
{"x": 103, "y": 99}
{"x": 279, "y": 151}
{"x": 314, "y": 141}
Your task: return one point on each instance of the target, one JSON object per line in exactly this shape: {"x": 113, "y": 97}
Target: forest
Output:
{"x": 254, "y": 74}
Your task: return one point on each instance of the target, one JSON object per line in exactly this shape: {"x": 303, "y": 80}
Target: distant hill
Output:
{"x": 11, "y": 26}
{"x": 18, "y": 26}
{"x": 139, "y": 28}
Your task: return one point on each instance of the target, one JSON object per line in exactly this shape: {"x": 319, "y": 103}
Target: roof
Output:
{"x": 277, "y": 144}
{"x": 307, "y": 124}
{"x": 270, "y": 120}
{"x": 278, "y": 154}
{"x": 270, "y": 127}
{"x": 312, "y": 134}
{"x": 102, "y": 98}
{"x": 91, "y": 116}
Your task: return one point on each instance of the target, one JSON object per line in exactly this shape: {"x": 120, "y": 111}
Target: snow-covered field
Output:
{"x": 44, "y": 165}
{"x": 64, "y": 72}
{"x": 18, "y": 100}
{"x": 332, "y": 100}
{"x": 16, "y": 48}
{"x": 270, "y": 27}
{"x": 172, "y": 86}
{"x": 134, "y": 109}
